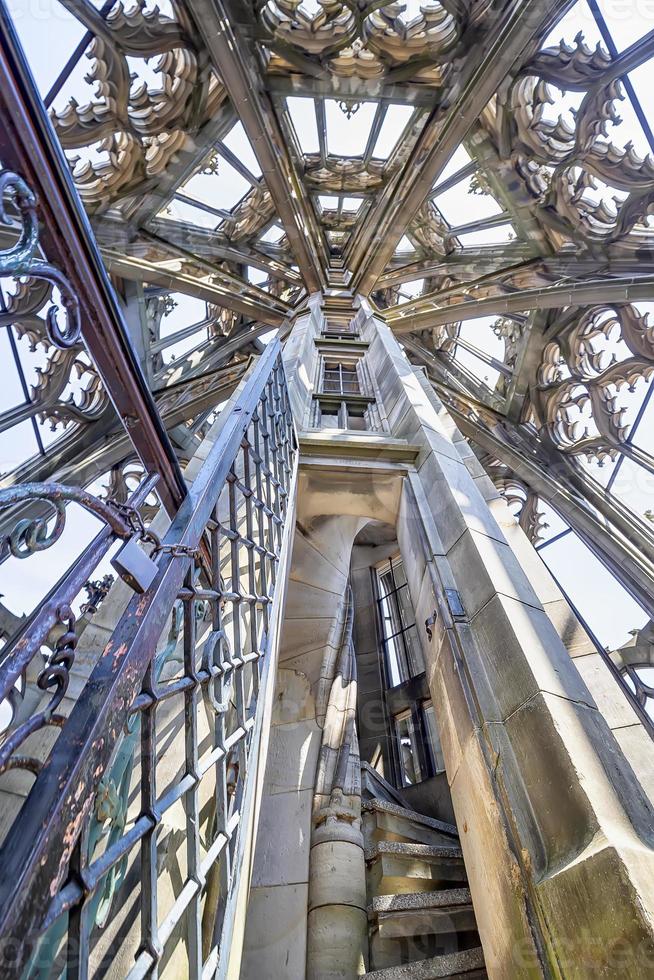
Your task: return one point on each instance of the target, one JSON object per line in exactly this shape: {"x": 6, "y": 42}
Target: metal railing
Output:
{"x": 154, "y": 768}
{"x": 47, "y": 248}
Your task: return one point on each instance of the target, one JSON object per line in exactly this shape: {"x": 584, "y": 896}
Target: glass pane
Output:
{"x": 350, "y": 381}
{"x": 406, "y": 614}
{"x": 398, "y": 572}
{"x": 408, "y": 751}
{"x": 393, "y": 614}
{"x": 415, "y": 659}
{"x": 332, "y": 378}
{"x": 432, "y": 734}
{"x": 385, "y": 580}
{"x": 395, "y": 661}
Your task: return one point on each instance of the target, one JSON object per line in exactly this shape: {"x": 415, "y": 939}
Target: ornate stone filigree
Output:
{"x": 364, "y": 39}
{"x": 251, "y": 215}
{"x": 511, "y": 332}
{"x": 136, "y": 129}
{"x": 431, "y": 231}
{"x": 593, "y": 190}
{"x": 578, "y": 398}
{"x": 522, "y": 501}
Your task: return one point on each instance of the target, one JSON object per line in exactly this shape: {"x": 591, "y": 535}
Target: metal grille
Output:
{"x": 130, "y": 844}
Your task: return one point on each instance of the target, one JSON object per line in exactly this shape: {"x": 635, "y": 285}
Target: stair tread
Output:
{"x": 447, "y": 965}
{"x": 412, "y": 815}
{"x": 406, "y": 849}
{"x": 411, "y": 901}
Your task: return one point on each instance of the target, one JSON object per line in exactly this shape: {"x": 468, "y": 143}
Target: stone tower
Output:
{"x": 326, "y": 535}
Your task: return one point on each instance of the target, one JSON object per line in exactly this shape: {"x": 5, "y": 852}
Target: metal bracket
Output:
{"x": 429, "y": 623}
{"x": 454, "y": 604}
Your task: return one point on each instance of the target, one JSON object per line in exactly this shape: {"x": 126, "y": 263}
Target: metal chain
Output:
{"x": 131, "y": 515}
{"x": 135, "y": 520}
{"x": 177, "y": 550}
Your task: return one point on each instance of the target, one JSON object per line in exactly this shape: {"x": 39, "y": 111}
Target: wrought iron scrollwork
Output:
{"x": 54, "y": 678}
{"x": 53, "y": 626}
{"x": 20, "y": 260}
{"x": 224, "y": 610}
{"x": 30, "y": 535}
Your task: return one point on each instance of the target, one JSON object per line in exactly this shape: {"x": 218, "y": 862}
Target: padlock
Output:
{"x": 134, "y": 566}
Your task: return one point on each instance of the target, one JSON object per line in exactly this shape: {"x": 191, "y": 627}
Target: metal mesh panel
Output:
{"x": 149, "y": 868}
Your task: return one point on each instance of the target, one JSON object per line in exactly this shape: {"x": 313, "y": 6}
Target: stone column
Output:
{"x": 287, "y": 876}
{"x": 337, "y": 934}
{"x": 557, "y": 832}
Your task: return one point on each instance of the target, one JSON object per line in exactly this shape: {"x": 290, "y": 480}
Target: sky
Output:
{"x": 49, "y": 33}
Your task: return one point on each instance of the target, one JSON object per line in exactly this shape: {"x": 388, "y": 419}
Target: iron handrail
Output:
{"x": 36, "y": 856}
{"x": 29, "y": 146}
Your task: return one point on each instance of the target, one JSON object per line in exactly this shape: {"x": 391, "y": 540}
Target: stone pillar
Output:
{"x": 337, "y": 938}
{"x": 287, "y": 876}
{"x": 337, "y": 933}
{"x": 557, "y": 832}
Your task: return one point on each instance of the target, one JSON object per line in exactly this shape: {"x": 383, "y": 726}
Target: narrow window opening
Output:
{"x": 403, "y": 655}
{"x": 408, "y": 749}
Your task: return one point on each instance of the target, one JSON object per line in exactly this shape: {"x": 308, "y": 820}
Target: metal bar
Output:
{"x": 202, "y": 206}
{"x": 557, "y": 537}
{"x": 494, "y": 55}
{"x": 29, "y": 146}
{"x": 125, "y": 684}
{"x": 233, "y": 55}
{"x": 191, "y": 797}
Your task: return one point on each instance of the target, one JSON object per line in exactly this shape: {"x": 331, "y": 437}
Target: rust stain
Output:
{"x": 119, "y": 654}
{"x": 69, "y": 839}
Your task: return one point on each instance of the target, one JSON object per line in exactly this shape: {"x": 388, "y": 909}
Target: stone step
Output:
{"x": 383, "y": 820}
{"x": 387, "y": 952}
{"x": 414, "y": 914}
{"x": 397, "y": 868}
{"x": 465, "y": 964}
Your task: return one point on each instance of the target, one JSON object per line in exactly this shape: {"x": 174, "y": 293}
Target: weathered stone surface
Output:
{"x": 449, "y": 965}
{"x": 337, "y": 938}
{"x": 293, "y": 756}
{"x": 337, "y": 874}
{"x": 283, "y": 858}
{"x": 549, "y": 812}
{"x": 395, "y": 822}
{"x": 275, "y": 935}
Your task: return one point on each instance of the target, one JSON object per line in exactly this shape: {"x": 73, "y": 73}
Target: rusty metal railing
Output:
{"x": 126, "y": 855}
